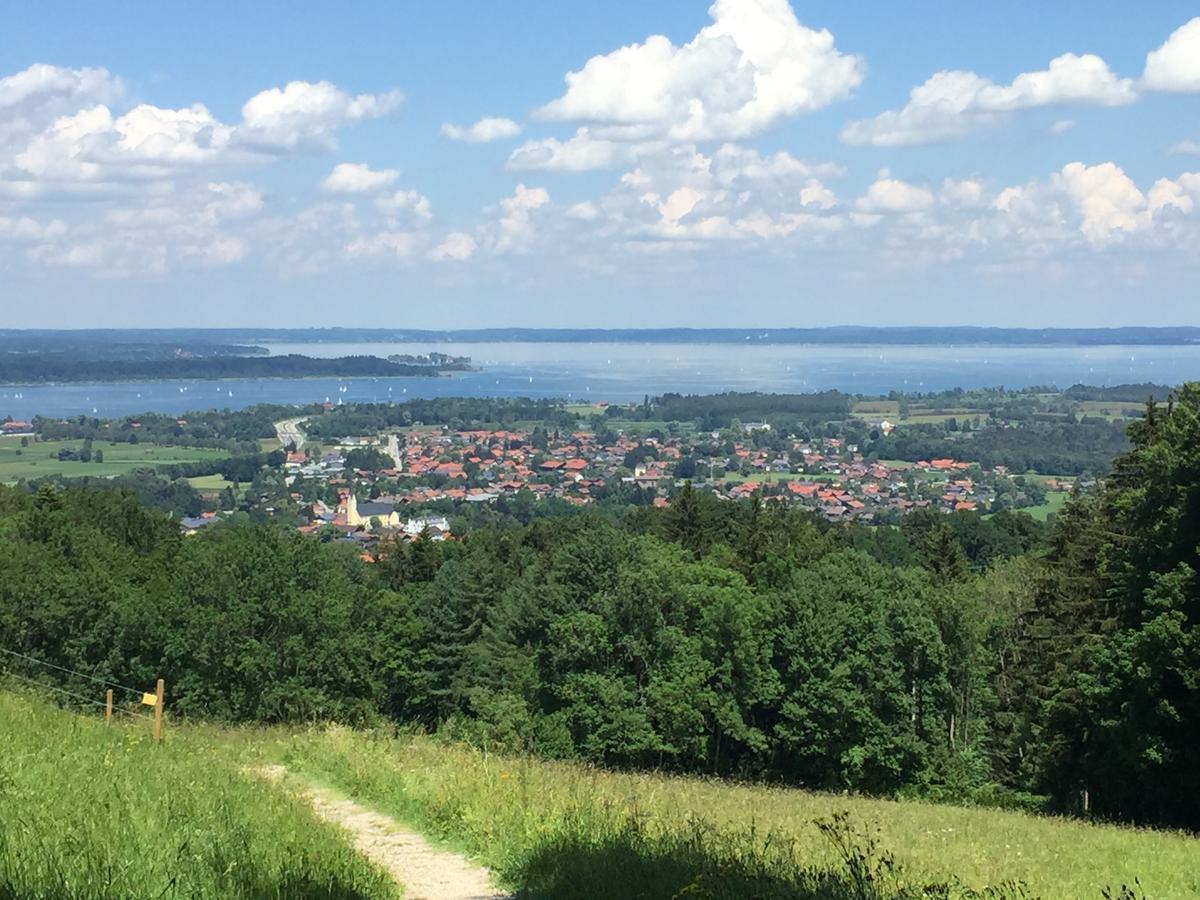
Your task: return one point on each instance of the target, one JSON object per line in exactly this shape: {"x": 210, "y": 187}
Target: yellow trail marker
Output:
{"x": 149, "y": 700}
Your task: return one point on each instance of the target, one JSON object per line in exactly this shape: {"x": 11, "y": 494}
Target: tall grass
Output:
{"x": 94, "y": 811}
{"x": 557, "y": 830}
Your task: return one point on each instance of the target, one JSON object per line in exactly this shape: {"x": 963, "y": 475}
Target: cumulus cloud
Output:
{"x": 1175, "y": 66}
{"x": 1108, "y": 200}
{"x": 584, "y": 211}
{"x": 147, "y": 141}
{"x": 732, "y": 163}
{"x": 206, "y": 225}
{"x": 1100, "y": 202}
{"x": 457, "y": 246}
{"x": 357, "y": 178}
{"x": 385, "y": 243}
{"x": 961, "y": 192}
{"x": 953, "y": 103}
{"x": 816, "y": 194}
{"x": 482, "y": 131}
{"x": 232, "y": 200}
{"x": 754, "y": 65}
{"x": 88, "y": 146}
{"x": 41, "y": 82}
{"x": 579, "y": 153}
{"x": 402, "y": 201}
{"x": 303, "y": 114}
{"x": 516, "y": 224}
{"x": 24, "y": 228}
{"x": 891, "y": 195}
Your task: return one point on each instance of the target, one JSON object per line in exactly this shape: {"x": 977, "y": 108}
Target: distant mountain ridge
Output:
{"x": 841, "y": 334}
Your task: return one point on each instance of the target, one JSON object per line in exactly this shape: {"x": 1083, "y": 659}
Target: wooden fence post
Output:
{"x": 108, "y": 707}
{"x": 158, "y": 712}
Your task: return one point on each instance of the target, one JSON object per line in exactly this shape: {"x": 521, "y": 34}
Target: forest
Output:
{"x": 39, "y": 368}
{"x": 992, "y": 661}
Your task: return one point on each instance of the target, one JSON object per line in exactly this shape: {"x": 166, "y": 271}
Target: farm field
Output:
{"x": 191, "y": 813}
{"x": 40, "y": 458}
{"x": 917, "y": 414}
{"x": 1055, "y": 500}
{"x": 210, "y": 482}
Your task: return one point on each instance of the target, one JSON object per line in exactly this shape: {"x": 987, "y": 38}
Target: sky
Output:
{"x": 620, "y": 164}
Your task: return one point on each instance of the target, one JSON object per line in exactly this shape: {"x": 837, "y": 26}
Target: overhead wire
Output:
{"x": 102, "y": 681}
{"x": 72, "y": 694}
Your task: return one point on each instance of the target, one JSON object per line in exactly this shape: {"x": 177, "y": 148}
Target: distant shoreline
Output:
{"x": 1184, "y": 335}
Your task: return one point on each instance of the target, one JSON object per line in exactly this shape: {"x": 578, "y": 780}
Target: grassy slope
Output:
{"x": 510, "y": 811}
{"x": 91, "y": 811}
{"x": 38, "y": 459}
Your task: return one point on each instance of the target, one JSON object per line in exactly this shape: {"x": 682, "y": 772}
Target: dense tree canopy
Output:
{"x": 986, "y": 659}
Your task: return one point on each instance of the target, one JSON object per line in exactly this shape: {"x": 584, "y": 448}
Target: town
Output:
{"x": 416, "y": 482}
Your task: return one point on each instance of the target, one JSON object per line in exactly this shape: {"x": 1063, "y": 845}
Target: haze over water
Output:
{"x": 626, "y": 372}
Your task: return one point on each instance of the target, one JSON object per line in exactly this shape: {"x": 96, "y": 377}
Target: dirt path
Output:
{"x": 425, "y": 872}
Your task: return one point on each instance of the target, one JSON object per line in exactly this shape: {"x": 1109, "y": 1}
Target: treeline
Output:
{"x": 234, "y": 430}
{"x": 114, "y": 345}
{"x": 456, "y": 412}
{"x": 954, "y": 657}
{"x": 1127, "y": 393}
{"x": 43, "y": 367}
{"x": 1058, "y": 448}
{"x": 715, "y": 411}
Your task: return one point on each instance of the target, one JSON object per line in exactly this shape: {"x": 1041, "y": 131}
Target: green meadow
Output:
{"x": 40, "y": 458}
{"x": 96, "y": 811}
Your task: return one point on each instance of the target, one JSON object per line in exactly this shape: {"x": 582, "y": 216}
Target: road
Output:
{"x": 288, "y": 431}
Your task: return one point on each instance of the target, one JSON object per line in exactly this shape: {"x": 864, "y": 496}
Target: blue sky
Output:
{"x": 620, "y": 164}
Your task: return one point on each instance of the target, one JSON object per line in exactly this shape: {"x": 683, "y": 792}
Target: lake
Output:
{"x": 626, "y": 372}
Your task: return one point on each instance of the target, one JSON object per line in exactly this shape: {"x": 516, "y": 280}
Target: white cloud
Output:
{"x": 516, "y": 225}
{"x": 754, "y": 65}
{"x": 953, "y": 103}
{"x": 357, "y": 178}
{"x": 95, "y": 148}
{"x": 304, "y": 114}
{"x": 481, "y": 132}
{"x": 147, "y": 141}
{"x": 961, "y": 192}
{"x": 1062, "y": 126}
{"x": 235, "y": 200}
{"x": 225, "y": 249}
{"x": 1175, "y": 66}
{"x": 1182, "y": 194}
{"x": 385, "y": 243}
{"x": 1108, "y": 200}
{"x": 763, "y": 226}
{"x": 585, "y": 211}
{"x": 401, "y": 201}
{"x": 1186, "y": 148}
{"x": 892, "y": 195}
{"x": 458, "y": 246}
{"x": 26, "y": 229}
{"x": 733, "y": 162}
{"x": 579, "y": 153}
{"x": 816, "y": 194}
{"x": 41, "y": 82}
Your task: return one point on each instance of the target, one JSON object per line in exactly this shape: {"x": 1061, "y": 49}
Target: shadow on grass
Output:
{"x": 631, "y": 863}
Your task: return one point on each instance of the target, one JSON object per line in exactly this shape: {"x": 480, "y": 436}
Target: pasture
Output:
{"x": 40, "y": 458}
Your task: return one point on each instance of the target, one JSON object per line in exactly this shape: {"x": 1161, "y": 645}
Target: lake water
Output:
{"x": 623, "y": 372}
